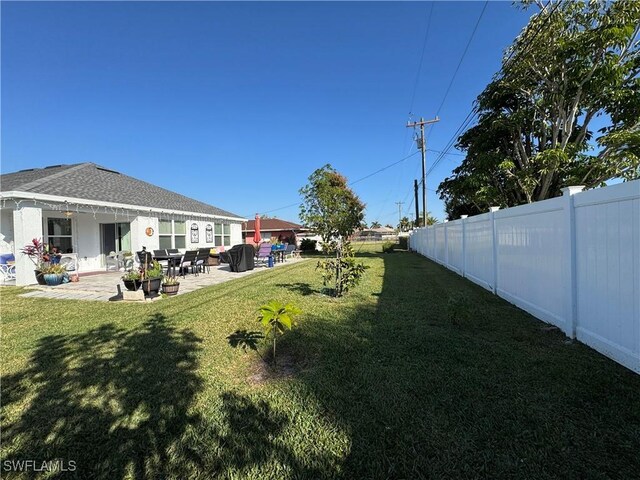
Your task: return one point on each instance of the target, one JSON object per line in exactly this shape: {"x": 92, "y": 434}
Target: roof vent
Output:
{"x": 107, "y": 170}
{"x": 53, "y": 166}
{"x": 27, "y": 170}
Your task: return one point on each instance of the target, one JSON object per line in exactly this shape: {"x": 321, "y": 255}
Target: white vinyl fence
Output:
{"x": 571, "y": 261}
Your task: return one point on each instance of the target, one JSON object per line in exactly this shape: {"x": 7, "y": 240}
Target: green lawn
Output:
{"x": 417, "y": 373}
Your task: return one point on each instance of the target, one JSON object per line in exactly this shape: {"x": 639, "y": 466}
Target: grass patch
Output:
{"x": 416, "y": 373}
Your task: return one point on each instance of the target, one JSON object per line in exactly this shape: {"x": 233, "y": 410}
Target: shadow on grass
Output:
{"x": 299, "y": 287}
{"x": 489, "y": 396}
{"x": 113, "y": 401}
{"x": 119, "y": 404}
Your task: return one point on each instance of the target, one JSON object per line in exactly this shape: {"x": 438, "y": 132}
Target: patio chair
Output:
{"x": 70, "y": 262}
{"x": 161, "y": 253}
{"x": 7, "y": 271}
{"x": 264, "y": 252}
{"x": 202, "y": 260}
{"x": 126, "y": 261}
{"x": 112, "y": 261}
{"x": 288, "y": 252}
{"x": 172, "y": 251}
{"x": 188, "y": 261}
{"x": 144, "y": 257}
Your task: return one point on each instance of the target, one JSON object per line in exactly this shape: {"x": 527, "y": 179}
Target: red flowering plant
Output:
{"x": 36, "y": 252}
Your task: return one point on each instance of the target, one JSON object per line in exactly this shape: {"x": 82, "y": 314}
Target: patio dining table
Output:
{"x": 173, "y": 259}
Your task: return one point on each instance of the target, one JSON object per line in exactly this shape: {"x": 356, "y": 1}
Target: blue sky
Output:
{"x": 235, "y": 104}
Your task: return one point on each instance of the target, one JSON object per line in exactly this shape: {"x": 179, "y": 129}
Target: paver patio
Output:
{"x": 108, "y": 286}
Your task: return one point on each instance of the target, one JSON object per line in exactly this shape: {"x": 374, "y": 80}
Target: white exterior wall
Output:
{"x": 139, "y": 238}
{"x": 19, "y": 226}
{"x": 572, "y": 261}
{"x": 236, "y": 234}
{"x": 27, "y": 225}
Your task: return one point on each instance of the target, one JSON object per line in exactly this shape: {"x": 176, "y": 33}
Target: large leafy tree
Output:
{"x": 333, "y": 211}
{"x": 573, "y": 62}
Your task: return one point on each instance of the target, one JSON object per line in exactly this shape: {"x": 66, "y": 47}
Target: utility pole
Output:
{"x": 415, "y": 194}
{"x": 399, "y": 213}
{"x": 423, "y": 147}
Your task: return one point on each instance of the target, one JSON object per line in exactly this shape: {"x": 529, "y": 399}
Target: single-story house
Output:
{"x": 273, "y": 228}
{"x": 379, "y": 233}
{"x": 91, "y": 211}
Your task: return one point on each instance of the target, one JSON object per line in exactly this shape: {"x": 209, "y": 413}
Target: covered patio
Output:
{"x": 108, "y": 286}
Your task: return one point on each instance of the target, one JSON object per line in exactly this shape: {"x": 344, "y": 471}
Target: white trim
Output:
{"x": 82, "y": 201}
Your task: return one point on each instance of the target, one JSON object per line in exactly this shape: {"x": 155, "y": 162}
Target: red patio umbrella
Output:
{"x": 257, "y": 238}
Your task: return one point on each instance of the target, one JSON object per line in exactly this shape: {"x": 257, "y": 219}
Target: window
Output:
{"x": 227, "y": 234}
{"x": 222, "y": 234}
{"x": 209, "y": 232}
{"x": 218, "y": 230}
{"x": 172, "y": 234}
{"x": 195, "y": 234}
{"x": 59, "y": 234}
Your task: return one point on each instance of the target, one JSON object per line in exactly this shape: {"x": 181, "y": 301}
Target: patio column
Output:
{"x": 27, "y": 225}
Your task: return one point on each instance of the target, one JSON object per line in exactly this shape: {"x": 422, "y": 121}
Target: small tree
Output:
{"x": 375, "y": 224}
{"x": 276, "y": 318}
{"x": 332, "y": 210}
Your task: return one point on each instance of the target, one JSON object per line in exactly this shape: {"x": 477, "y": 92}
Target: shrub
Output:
{"x": 308, "y": 245}
{"x": 387, "y": 247}
{"x": 403, "y": 243}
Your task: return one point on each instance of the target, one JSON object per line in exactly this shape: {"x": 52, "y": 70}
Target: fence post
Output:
{"x": 494, "y": 237}
{"x": 570, "y": 251}
{"x": 464, "y": 244}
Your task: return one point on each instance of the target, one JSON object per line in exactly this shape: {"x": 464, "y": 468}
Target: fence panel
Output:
{"x": 454, "y": 246}
{"x": 532, "y": 259}
{"x": 572, "y": 261}
{"x": 439, "y": 243}
{"x": 608, "y": 271}
{"x": 479, "y": 250}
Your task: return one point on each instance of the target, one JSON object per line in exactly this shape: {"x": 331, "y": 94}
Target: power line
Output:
{"x": 352, "y": 183}
{"x": 424, "y": 46}
{"x": 384, "y": 168}
{"x": 464, "y": 53}
{"x": 511, "y": 58}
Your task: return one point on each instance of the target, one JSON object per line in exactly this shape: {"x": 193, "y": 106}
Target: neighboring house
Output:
{"x": 381, "y": 233}
{"x": 273, "y": 228}
{"x": 91, "y": 211}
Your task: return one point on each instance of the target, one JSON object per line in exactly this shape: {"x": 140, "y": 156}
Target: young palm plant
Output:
{"x": 276, "y": 318}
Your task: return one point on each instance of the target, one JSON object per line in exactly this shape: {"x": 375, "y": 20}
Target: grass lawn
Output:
{"x": 417, "y": 373}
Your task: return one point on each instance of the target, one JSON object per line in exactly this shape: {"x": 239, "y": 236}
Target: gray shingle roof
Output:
{"x": 93, "y": 182}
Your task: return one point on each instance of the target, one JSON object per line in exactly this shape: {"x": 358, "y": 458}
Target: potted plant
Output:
{"x": 170, "y": 285}
{"x": 151, "y": 278}
{"x": 132, "y": 280}
{"x": 37, "y": 254}
{"x": 53, "y": 274}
